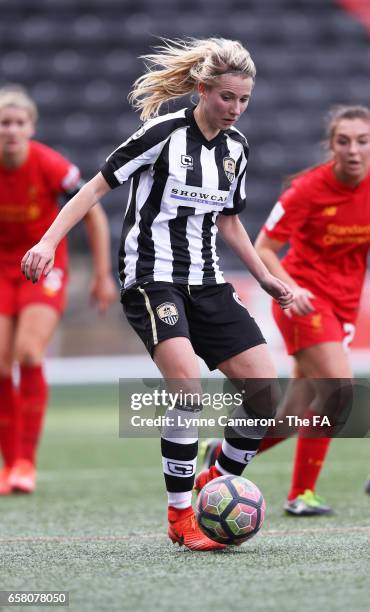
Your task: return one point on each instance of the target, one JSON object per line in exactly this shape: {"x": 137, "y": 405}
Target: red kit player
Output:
{"x": 324, "y": 215}
{"x": 32, "y": 176}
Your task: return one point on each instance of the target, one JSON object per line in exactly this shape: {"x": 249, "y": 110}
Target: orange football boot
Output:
{"x": 23, "y": 476}
{"x": 205, "y": 477}
{"x": 5, "y": 488}
{"x": 183, "y": 529}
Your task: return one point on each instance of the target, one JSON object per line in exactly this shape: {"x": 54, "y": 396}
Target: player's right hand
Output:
{"x": 302, "y": 304}
{"x": 279, "y": 290}
{"x": 38, "y": 260}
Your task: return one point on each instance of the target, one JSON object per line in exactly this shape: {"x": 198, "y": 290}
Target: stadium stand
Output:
{"x": 79, "y": 57}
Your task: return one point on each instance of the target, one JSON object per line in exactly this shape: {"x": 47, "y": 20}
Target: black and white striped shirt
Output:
{"x": 180, "y": 183}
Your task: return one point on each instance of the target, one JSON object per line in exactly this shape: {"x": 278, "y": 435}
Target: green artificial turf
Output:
{"x": 96, "y": 526}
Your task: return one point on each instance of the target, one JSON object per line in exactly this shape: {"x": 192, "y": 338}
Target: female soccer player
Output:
{"x": 187, "y": 172}
{"x": 324, "y": 215}
{"x": 31, "y": 177}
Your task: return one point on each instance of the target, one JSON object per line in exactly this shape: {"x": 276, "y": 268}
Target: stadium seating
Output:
{"x": 79, "y": 57}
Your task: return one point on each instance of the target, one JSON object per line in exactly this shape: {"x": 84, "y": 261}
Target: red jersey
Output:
{"x": 327, "y": 224}
{"x": 29, "y": 202}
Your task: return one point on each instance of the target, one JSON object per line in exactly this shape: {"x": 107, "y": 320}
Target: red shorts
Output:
{"x": 16, "y": 292}
{"x": 322, "y": 325}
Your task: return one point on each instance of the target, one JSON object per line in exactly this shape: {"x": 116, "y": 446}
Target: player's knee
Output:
{"x": 333, "y": 396}
{"x": 263, "y": 402}
{"x": 28, "y": 354}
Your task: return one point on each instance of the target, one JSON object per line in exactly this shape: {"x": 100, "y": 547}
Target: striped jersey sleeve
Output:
{"x": 141, "y": 150}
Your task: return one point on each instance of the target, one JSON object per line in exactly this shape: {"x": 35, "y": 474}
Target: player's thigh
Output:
{"x": 6, "y": 344}
{"x": 324, "y": 360}
{"x": 157, "y": 313}
{"x": 254, "y": 373}
{"x": 35, "y": 327}
{"x": 178, "y": 364}
{"x": 297, "y": 397}
{"x": 255, "y": 362}
{"x": 39, "y": 308}
{"x": 329, "y": 369}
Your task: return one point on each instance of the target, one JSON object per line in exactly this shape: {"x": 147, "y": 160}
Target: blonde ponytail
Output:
{"x": 179, "y": 65}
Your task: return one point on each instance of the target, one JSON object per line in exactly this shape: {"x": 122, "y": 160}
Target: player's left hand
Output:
{"x": 103, "y": 292}
{"x": 278, "y": 290}
{"x": 38, "y": 260}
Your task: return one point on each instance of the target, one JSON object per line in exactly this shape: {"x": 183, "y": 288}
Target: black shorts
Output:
{"x": 213, "y": 317}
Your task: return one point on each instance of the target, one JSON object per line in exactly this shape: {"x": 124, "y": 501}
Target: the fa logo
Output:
{"x": 187, "y": 162}
{"x": 229, "y": 168}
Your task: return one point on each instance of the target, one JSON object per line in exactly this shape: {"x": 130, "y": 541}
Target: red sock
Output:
{"x": 269, "y": 443}
{"x": 9, "y": 421}
{"x": 33, "y": 398}
{"x": 309, "y": 458}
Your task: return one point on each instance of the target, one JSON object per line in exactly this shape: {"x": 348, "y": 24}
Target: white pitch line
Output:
{"x": 148, "y": 536}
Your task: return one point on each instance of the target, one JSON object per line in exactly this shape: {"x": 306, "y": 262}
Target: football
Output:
{"x": 230, "y": 509}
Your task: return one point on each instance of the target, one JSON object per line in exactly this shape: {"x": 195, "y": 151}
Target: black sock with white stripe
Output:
{"x": 237, "y": 451}
{"x": 242, "y": 442}
{"x": 179, "y": 445}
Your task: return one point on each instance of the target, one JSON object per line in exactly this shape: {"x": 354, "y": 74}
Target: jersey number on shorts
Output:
{"x": 349, "y": 333}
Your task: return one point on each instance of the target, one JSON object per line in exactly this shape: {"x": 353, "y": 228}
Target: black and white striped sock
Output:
{"x": 179, "y": 445}
{"x": 242, "y": 442}
{"x": 236, "y": 452}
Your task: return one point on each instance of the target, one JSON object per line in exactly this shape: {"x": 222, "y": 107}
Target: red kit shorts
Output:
{"x": 322, "y": 325}
{"x": 16, "y": 292}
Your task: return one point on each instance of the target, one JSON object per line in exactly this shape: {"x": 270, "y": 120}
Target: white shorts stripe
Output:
{"x": 151, "y": 314}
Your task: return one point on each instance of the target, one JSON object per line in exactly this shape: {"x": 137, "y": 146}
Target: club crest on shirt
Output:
{"x": 229, "y": 168}
{"x": 168, "y": 313}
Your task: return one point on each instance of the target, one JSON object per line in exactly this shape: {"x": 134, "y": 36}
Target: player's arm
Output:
{"x": 103, "y": 289}
{"x": 40, "y": 258}
{"x": 268, "y": 249}
{"x": 234, "y": 234}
